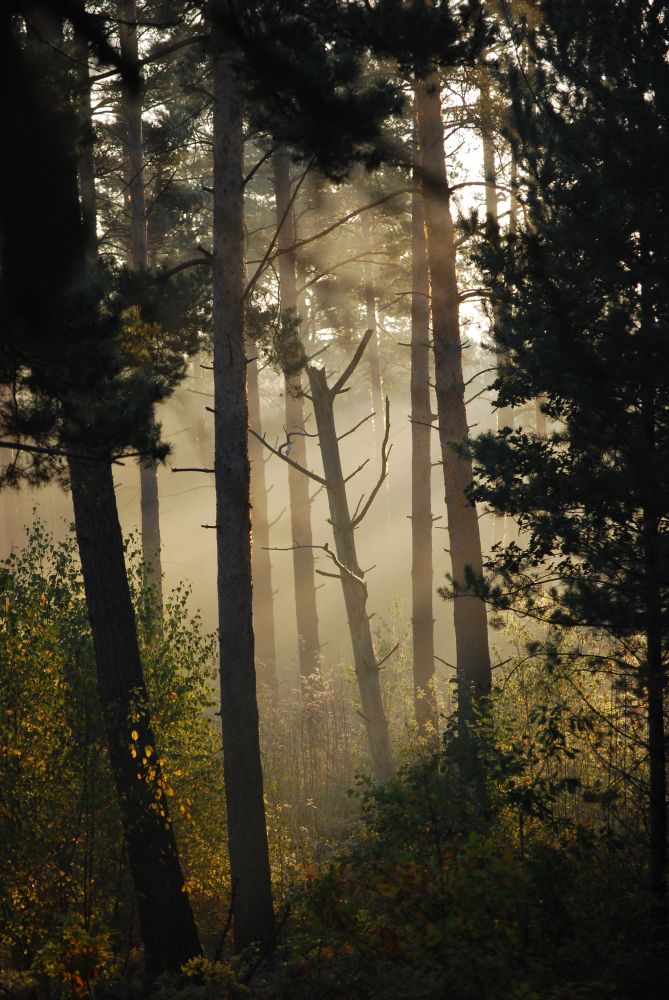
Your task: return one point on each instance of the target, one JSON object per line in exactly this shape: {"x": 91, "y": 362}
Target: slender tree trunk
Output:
{"x": 298, "y": 486}
{"x": 166, "y": 920}
{"x": 471, "y": 634}
{"x": 353, "y": 584}
{"x": 422, "y": 616}
{"x": 374, "y": 361}
{"x": 263, "y": 596}
{"x": 253, "y": 917}
{"x": 373, "y": 347}
{"x": 138, "y": 261}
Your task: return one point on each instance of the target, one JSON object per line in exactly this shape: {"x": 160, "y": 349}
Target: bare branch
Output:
{"x": 328, "y": 551}
{"x": 192, "y": 469}
{"x": 183, "y": 266}
{"x": 359, "y": 424}
{"x": 387, "y": 656}
{"x": 385, "y": 452}
{"x": 352, "y": 365}
{"x": 256, "y": 167}
{"x": 346, "y": 218}
{"x": 268, "y": 253}
{"x": 285, "y": 458}
{"x": 277, "y": 518}
{"x": 356, "y": 471}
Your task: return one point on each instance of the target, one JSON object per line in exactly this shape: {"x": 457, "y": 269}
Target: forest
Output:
{"x": 334, "y": 499}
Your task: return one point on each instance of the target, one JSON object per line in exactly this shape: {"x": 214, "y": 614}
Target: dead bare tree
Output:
{"x": 347, "y": 568}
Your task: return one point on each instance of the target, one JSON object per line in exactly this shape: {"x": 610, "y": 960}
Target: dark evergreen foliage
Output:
{"x": 585, "y": 317}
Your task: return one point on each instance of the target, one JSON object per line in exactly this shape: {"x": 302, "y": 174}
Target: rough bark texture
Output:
{"x": 166, "y": 920}
{"x": 422, "y": 615}
{"x": 471, "y": 634}
{"x": 253, "y": 918}
{"x": 298, "y": 486}
{"x": 138, "y": 261}
{"x": 353, "y": 584}
{"x": 263, "y": 596}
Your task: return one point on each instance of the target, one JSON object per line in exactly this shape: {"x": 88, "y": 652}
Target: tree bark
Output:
{"x": 373, "y": 360}
{"x": 138, "y": 261}
{"x": 166, "y": 920}
{"x": 253, "y": 917}
{"x": 471, "y": 634}
{"x": 298, "y": 486}
{"x": 422, "y": 616}
{"x": 353, "y": 584}
{"x": 263, "y": 595}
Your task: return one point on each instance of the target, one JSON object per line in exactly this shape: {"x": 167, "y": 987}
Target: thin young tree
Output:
{"x": 133, "y": 142}
{"x": 298, "y": 487}
{"x": 263, "y": 595}
{"x": 471, "y": 633}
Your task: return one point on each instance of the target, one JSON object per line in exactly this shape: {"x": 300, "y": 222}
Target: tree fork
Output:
{"x": 353, "y": 585}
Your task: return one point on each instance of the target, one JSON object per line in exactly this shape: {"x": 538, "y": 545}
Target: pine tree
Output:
{"x": 584, "y": 319}
{"x": 82, "y": 392}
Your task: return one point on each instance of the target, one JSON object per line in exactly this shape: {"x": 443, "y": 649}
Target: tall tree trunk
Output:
{"x": 353, "y": 584}
{"x": 422, "y": 615}
{"x": 253, "y": 917}
{"x": 298, "y": 486}
{"x": 166, "y": 920}
{"x": 263, "y": 596}
{"x": 471, "y": 633}
{"x": 373, "y": 360}
{"x": 138, "y": 261}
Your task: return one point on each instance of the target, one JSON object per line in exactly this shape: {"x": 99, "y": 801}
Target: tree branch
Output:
{"x": 352, "y": 365}
{"x": 385, "y": 452}
{"x": 285, "y": 458}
